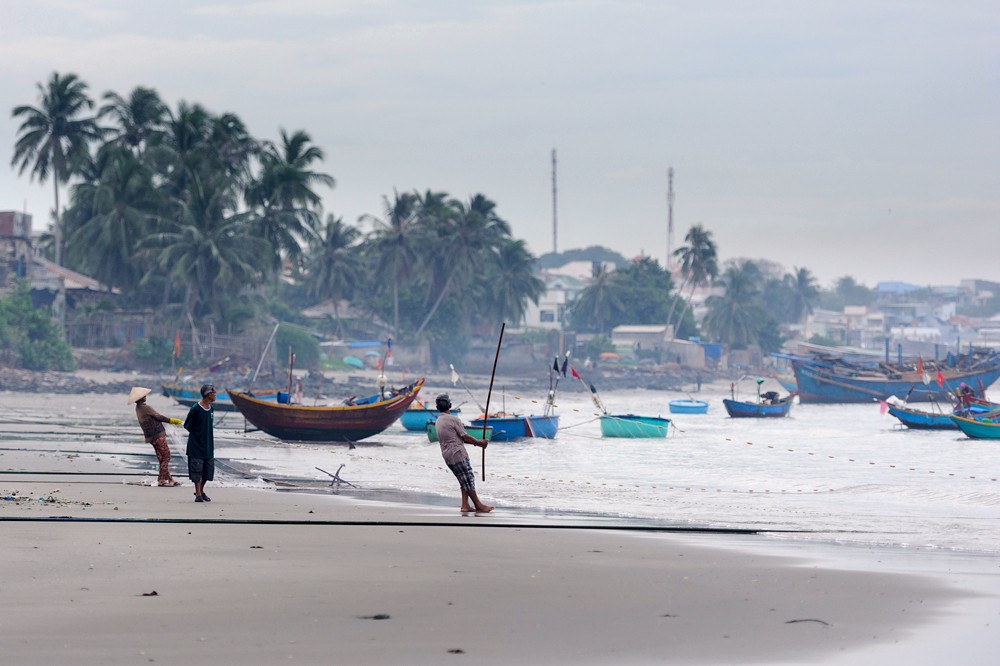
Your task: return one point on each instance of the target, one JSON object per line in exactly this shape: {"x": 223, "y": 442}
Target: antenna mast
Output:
{"x": 555, "y": 244}
{"x": 670, "y": 219}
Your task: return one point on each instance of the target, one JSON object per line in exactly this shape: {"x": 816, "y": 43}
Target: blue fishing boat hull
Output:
{"x": 976, "y": 428}
{"x": 432, "y": 434}
{"x": 920, "y": 420}
{"x": 633, "y": 426}
{"x": 189, "y": 396}
{"x": 738, "y": 409}
{"x": 507, "y": 428}
{"x": 416, "y": 420}
{"x": 688, "y": 407}
{"x": 818, "y": 384}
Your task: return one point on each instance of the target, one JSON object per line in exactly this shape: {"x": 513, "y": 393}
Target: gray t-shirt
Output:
{"x": 450, "y": 431}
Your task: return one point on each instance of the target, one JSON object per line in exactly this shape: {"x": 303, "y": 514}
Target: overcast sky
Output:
{"x": 850, "y": 138}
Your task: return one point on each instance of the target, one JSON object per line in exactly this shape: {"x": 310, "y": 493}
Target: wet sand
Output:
{"x": 259, "y": 576}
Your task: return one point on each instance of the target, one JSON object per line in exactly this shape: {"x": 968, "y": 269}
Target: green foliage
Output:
{"x": 636, "y": 294}
{"x": 303, "y": 345}
{"x": 846, "y": 291}
{"x": 31, "y": 333}
{"x": 597, "y": 345}
{"x": 153, "y": 351}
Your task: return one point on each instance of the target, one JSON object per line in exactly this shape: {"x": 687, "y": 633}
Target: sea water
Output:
{"x": 831, "y": 473}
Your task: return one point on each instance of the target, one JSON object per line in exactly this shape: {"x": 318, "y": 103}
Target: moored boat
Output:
{"x": 507, "y": 428}
{"x": 829, "y": 379}
{"x": 633, "y": 426}
{"x": 416, "y": 420}
{"x": 432, "y": 434}
{"x": 340, "y": 423}
{"x": 977, "y": 428}
{"x": 188, "y": 396}
{"x": 688, "y": 406}
{"x": 764, "y": 408}
{"x": 918, "y": 419}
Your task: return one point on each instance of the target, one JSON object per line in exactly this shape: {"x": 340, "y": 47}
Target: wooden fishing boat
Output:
{"x": 828, "y": 379}
{"x": 341, "y": 423}
{"x": 633, "y": 426}
{"x": 416, "y": 420}
{"x": 977, "y": 428}
{"x": 432, "y": 433}
{"x": 691, "y": 406}
{"x": 920, "y": 420}
{"x": 759, "y": 409}
{"x": 507, "y": 428}
{"x": 188, "y": 396}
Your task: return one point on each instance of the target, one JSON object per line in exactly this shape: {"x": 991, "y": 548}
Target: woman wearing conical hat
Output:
{"x": 151, "y": 422}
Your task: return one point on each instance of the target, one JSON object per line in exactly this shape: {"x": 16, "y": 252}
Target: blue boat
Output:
{"x": 189, "y": 396}
{"x": 416, "y": 420}
{"x": 826, "y": 379}
{"x": 633, "y": 426}
{"x": 761, "y": 409}
{"x": 921, "y": 420}
{"x": 688, "y": 406}
{"x": 507, "y": 428}
{"x": 977, "y": 428}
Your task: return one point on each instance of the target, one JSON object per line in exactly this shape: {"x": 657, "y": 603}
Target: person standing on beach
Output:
{"x": 453, "y": 438}
{"x": 200, "y": 424}
{"x": 151, "y": 422}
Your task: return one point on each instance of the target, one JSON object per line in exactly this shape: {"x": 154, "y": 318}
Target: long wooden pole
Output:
{"x": 486, "y": 413}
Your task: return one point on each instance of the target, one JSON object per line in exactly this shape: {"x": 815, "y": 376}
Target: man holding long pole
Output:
{"x": 453, "y": 438}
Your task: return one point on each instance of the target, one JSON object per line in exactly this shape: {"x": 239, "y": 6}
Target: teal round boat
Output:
{"x": 633, "y": 426}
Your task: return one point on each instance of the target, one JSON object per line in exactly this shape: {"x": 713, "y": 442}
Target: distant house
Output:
{"x": 15, "y": 247}
{"x": 553, "y": 305}
{"x": 651, "y": 337}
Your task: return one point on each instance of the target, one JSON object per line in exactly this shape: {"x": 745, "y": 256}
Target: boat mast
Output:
{"x": 555, "y": 244}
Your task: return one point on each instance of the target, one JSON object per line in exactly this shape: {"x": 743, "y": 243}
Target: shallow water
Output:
{"x": 839, "y": 473}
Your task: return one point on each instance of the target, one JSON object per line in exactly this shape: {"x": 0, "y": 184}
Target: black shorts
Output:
{"x": 201, "y": 469}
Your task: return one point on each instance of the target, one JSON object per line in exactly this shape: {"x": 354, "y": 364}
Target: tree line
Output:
{"x": 184, "y": 211}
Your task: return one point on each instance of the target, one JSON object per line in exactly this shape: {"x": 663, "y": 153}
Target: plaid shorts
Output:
{"x": 201, "y": 469}
{"x": 463, "y": 472}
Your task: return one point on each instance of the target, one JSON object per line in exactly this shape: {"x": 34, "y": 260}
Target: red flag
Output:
{"x": 574, "y": 373}
{"x": 920, "y": 365}
{"x": 940, "y": 379}
{"x": 177, "y": 344}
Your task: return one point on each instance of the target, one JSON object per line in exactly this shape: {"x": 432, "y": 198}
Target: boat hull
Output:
{"x": 416, "y": 420}
{"x": 688, "y": 406}
{"x": 342, "y": 423}
{"x": 432, "y": 435}
{"x": 634, "y": 427}
{"x": 920, "y": 420}
{"x": 977, "y": 429}
{"x": 738, "y": 409}
{"x": 188, "y": 397}
{"x": 817, "y": 384}
{"x": 507, "y": 428}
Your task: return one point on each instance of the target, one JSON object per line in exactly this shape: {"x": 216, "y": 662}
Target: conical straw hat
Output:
{"x": 137, "y": 393}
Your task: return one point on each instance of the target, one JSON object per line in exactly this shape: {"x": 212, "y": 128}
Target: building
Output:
{"x": 15, "y": 248}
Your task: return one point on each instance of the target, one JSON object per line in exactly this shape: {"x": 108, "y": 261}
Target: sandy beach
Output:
{"x": 101, "y": 568}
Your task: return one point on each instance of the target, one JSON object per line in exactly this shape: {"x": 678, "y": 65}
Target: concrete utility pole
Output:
{"x": 670, "y": 219}
{"x": 555, "y": 218}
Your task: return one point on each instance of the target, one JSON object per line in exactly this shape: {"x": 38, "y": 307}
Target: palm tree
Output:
{"x": 511, "y": 282}
{"x": 54, "y": 136}
{"x": 284, "y": 192}
{"x": 804, "y": 293}
{"x": 699, "y": 265}
{"x": 734, "y": 318}
{"x": 111, "y": 216}
{"x": 334, "y": 263}
{"x": 140, "y": 119}
{"x": 463, "y": 240}
{"x": 211, "y": 248}
{"x": 599, "y": 303}
{"x": 393, "y": 244}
